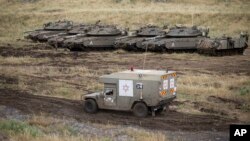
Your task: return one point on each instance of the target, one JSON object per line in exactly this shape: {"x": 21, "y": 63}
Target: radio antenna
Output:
{"x": 145, "y": 57}
{"x": 192, "y": 18}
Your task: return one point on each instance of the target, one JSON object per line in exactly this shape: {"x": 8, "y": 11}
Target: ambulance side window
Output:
{"x": 108, "y": 91}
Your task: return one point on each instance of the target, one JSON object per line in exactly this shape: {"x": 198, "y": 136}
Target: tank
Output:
{"x": 50, "y": 29}
{"x": 129, "y": 42}
{"x": 177, "y": 39}
{"x": 224, "y": 45}
{"x": 101, "y": 37}
{"x": 78, "y": 30}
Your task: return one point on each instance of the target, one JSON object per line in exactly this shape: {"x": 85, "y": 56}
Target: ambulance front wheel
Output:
{"x": 90, "y": 106}
{"x": 140, "y": 109}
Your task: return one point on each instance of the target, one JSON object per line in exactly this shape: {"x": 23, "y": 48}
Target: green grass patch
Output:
{"x": 244, "y": 90}
{"x": 17, "y": 127}
{"x": 245, "y": 107}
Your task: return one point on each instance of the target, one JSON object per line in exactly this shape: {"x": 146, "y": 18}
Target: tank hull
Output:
{"x": 46, "y": 36}
{"x": 43, "y": 36}
{"x": 50, "y": 30}
{"x": 56, "y": 42}
{"x": 34, "y": 34}
{"x": 225, "y": 52}
{"x": 130, "y": 43}
{"x": 89, "y": 43}
{"x": 171, "y": 44}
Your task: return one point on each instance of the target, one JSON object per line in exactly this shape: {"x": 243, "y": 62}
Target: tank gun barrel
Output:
{"x": 124, "y": 37}
{"x": 59, "y": 34}
{"x": 33, "y": 30}
{"x": 28, "y": 31}
{"x": 156, "y": 37}
{"x": 77, "y": 35}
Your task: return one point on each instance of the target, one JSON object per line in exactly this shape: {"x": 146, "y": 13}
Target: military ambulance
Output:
{"x": 140, "y": 91}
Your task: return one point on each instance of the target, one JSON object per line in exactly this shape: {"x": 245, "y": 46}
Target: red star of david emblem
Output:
{"x": 125, "y": 88}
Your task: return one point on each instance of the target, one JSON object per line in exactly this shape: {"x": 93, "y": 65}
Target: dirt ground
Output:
{"x": 228, "y": 64}
{"x": 3, "y": 137}
{"x": 210, "y": 121}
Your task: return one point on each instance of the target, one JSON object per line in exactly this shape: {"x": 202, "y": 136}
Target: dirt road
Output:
{"x": 172, "y": 120}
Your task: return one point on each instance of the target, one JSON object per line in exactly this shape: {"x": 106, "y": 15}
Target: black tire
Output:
{"x": 140, "y": 110}
{"x": 90, "y": 106}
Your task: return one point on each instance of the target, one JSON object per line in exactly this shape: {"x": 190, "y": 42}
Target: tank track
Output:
{"x": 224, "y": 52}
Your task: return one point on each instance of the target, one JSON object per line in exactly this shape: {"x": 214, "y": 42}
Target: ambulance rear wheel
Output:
{"x": 90, "y": 106}
{"x": 140, "y": 110}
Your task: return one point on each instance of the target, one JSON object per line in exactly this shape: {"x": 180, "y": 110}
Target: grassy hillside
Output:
{"x": 222, "y": 16}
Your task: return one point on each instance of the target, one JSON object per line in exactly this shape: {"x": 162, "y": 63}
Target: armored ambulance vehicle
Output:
{"x": 139, "y": 91}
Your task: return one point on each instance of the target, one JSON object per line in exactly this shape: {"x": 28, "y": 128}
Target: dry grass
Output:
{"x": 25, "y": 137}
{"x": 143, "y": 135}
{"x": 22, "y": 60}
{"x": 42, "y": 120}
{"x": 66, "y": 82}
{"x": 211, "y": 84}
{"x": 198, "y": 87}
{"x": 184, "y": 56}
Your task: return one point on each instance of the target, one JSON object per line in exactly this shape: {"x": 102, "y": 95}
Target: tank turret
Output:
{"x": 177, "y": 39}
{"x": 77, "y": 30}
{"x": 183, "y": 31}
{"x": 138, "y": 36}
{"x": 50, "y": 29}
{"x": 104, "y": 31}
{"x": 80, "y": 29}
{"x": 150, "y": 31}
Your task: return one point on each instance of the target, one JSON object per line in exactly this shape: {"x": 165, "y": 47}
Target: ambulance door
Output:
{"x": 110, "y": 95}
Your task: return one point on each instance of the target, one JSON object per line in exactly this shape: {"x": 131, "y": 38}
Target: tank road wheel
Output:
{"x": 90, "y": 106}
{"x": 140, "y": 110}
